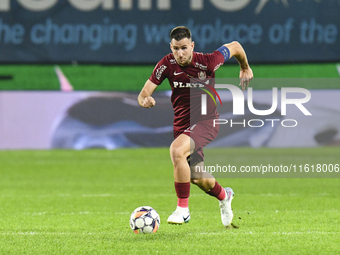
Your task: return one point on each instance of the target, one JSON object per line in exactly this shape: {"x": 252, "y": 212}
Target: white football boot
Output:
{"x": 180, "y": 216}
{"x": 225, "y": 205}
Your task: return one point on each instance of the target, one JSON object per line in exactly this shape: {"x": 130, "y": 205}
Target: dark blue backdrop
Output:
{"x": 131, "y": 31}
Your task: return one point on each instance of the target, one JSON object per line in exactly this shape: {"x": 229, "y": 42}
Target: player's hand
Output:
{"x": 246, "y": 75}
{"x": 148, "y": 102}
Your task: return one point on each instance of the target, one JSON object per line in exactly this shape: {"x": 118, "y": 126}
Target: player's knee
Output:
{"x": 176, "y": 151}
{"x": 196, "y": 181}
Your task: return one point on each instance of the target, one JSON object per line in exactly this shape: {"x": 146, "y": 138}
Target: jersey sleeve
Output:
{"x": 160, "y": 72}
{"x": 214, "y": 60}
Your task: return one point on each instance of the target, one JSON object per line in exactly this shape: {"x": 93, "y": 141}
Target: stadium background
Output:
{"x": 113, "y": 46}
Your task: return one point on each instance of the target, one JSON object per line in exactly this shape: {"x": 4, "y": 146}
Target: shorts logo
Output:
{"x": 190, "y": 129}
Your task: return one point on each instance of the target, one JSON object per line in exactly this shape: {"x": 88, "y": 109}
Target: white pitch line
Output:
{"x": 338, "y": 68}
{"x": 38, "y": 195}
{"x": 50, "y": 233}
{"x": 272, "y": 233}
{"x": 202, "y": 233}
{"x": 99, "y": 195}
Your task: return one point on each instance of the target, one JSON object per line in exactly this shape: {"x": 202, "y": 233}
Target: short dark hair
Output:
{"x": 179, "y": 33}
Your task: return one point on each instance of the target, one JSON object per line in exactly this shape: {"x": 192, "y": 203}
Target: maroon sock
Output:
{"x": 217, "y": 191}
{"x": 183, "y": 193}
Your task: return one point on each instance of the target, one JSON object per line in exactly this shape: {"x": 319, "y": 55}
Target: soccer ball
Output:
{"x": 144, "y": 220}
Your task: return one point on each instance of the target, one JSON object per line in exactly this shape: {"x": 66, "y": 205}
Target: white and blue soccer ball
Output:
{"x": 145, "y": 220}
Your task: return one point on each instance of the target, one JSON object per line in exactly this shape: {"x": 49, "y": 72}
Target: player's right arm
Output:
{"x": 144, "y": 98}
{"x": 160, "y": 72}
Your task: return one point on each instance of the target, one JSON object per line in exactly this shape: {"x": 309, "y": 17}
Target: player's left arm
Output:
{"x": 246, "y": 73}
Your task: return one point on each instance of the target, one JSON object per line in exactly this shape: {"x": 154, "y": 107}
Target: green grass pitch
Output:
{"x": 79, "y": 202}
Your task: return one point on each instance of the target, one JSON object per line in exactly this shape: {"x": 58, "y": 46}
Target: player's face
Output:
{"x": 182, "y": 51}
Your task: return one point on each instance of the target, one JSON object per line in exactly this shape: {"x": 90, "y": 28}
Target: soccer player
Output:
{"x": 193, "y": 131}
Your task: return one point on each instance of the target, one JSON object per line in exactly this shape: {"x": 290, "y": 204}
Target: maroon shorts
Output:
{"x": 202, "y": 132}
